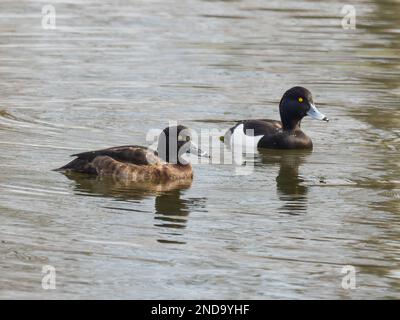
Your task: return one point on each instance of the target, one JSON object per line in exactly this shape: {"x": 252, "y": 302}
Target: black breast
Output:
{"x": 286, "y": 140}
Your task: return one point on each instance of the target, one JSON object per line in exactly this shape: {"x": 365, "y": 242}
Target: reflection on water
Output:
{"x": 290, "y": 185}
{"x": 110, "y": 73}
{"x": 122, "y": 189}
{"x": 171, "y": 211}
{"x": 170, "y": 208}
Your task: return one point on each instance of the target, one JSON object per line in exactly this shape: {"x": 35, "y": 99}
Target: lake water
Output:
{"x": 108, "y": 73}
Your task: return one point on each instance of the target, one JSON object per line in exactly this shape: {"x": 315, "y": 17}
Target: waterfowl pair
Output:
{"x": 141, "y": 164}
{"x": 295, "y": 104}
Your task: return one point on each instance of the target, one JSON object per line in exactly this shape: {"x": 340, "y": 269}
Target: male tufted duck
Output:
{"x": 295, "y": 104}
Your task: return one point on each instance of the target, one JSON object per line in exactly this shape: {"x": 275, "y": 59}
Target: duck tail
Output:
{"x": 228, "y": 135}
{"x": 78, "y": 165}
{"x": 70, "y": 165}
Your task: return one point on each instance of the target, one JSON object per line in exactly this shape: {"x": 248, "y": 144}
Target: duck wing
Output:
{"x": 253, "y": 128}
{"x": 262, "y": 126}
{"x": 125, "y": 154}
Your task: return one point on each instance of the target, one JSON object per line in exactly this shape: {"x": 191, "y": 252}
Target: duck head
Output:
{"x": 295, "y": 104}
{"x": 176, "y": 141}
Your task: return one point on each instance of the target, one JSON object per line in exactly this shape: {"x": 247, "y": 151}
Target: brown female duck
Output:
{"x": 141, "y": 164}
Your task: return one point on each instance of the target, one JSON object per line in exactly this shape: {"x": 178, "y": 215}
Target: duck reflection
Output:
{"x": 171, "y": 211}
{"x": 289, "y": 184}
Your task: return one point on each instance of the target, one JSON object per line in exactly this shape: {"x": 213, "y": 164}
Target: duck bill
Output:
{"x": 316, "y": 114}
{"x": 194, "y": 149}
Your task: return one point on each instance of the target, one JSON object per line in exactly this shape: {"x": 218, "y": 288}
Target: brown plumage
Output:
{"x": 136, "y": 163}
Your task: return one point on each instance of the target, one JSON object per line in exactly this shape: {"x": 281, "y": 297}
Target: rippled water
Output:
{"x": 109, "y": 73}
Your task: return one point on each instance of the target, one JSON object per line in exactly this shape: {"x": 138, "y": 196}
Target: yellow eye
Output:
{"x": 300, "y": 99}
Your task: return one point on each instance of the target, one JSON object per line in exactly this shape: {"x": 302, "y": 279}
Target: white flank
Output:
{"x": 247, "y": 141}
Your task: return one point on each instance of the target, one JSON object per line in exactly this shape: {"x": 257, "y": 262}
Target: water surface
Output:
{"x": 110, "y": 73}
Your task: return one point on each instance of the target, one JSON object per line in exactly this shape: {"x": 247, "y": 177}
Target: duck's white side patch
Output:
{"x": 246, "y": 141}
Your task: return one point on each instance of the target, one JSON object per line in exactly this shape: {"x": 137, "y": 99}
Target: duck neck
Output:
{"x": 291, "y": 124}
{"x": 172, "y": 158}
{"x": 289, "y": 117}
{"x": 183, "y": 165}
